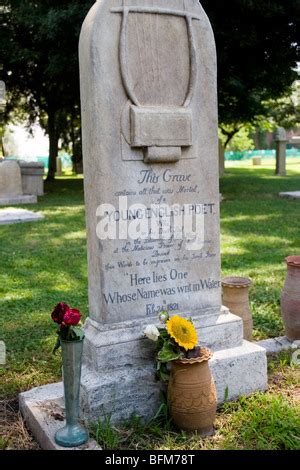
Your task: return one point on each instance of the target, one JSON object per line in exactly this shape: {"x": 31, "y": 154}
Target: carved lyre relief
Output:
{"x": 158, "y": 65}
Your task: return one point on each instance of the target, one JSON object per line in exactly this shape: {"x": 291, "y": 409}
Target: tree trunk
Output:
{"x": 230, "y": 136}
{"x": 53, "y": 145}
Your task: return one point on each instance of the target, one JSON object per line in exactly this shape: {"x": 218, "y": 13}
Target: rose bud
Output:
{"x": 59, "y": 312}
{"x": 72, "y": 317}
{"x": 163, "y": 316}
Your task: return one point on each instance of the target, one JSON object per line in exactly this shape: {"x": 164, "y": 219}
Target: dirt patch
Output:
{"x": 13, "y": 432}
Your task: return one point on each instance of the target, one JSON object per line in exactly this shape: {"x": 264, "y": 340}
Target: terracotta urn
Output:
{"x": 192, "y": 394}
{"x": 236, "y": 298}
{"x": 290, "y": 298}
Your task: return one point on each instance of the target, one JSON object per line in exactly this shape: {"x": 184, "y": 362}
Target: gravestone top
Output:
{"x": 10, "y": 179}
{"x": 153, "y": 148}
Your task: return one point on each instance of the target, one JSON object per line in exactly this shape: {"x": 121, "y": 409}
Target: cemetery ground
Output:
{"x": 43, "y": 263}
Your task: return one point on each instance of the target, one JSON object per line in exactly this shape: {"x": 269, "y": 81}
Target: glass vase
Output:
{"x": 73, "y": 434}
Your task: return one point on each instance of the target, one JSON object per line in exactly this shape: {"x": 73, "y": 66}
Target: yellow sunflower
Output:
{"x": 183, "y": 332}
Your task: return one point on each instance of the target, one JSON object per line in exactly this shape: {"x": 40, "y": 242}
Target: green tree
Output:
{"x": 257, "y": 43}
{"x": 258, "y": 49}
{"x": 39, "y": 43}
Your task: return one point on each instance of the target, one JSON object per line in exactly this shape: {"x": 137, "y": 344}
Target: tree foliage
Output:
{"x": 258, "y": 49}
{"x": 39, "y": 43}
{"x": 256, "y": 43}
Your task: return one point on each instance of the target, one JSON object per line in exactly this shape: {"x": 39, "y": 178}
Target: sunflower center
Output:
{"x": 182, "y": 331}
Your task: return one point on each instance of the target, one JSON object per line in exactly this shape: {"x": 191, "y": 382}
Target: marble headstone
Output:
{"x": 10, "y": 179}
{"x": 150, "y": 137}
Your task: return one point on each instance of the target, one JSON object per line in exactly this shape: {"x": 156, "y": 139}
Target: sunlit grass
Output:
{"x": 45, "y": 262}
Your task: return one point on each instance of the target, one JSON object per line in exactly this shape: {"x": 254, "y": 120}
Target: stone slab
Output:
{"x": 108, "y": 347}
{"x": 275, "y": 345}
{"x": 43, "y": 412}
{"x": 32, "y": 174}
{"x": 239, "y": 371}
{"x": 290, "y": 195}
{"x": 7, "y": 201}
{"x": 12, "y": 215}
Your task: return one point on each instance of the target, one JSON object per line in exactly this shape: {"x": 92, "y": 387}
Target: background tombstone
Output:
{"x": 11, "y": 191}
{"x": 32, "y": 174}
{"x": 281, "y": 141}
{"x": 221, "y": 159}
{"x": 149, "y": 117}
{"x": 10, "y": 179}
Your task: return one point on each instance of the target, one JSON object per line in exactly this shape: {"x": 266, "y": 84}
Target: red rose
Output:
{"x": 59, "y": 312}
{"x": 72, "y": 317}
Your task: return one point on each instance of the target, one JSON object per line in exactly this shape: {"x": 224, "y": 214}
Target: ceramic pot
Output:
{"x": 290, "y": 298}
{"x": 192, "y": 394}
{"x": 235, "y": 296}
{"x": 73, "y": 434}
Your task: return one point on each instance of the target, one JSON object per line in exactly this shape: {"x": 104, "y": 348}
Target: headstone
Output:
{"x": 10, "y": 179}
{"x": 11, "y": 191}
{"x": 150, "y": 137}
{"x": 32, "y": 177}
{"x": 150, "y": 134}
{"x": 281, "y": 141}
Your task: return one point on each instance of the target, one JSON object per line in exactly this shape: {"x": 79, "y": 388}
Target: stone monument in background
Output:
{"x": 11, "y": 190}
{"x": 149, "y": 119}
{"x": 281, "y": 142}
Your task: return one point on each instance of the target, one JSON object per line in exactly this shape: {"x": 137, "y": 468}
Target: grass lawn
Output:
{"x": 45, "y": 262}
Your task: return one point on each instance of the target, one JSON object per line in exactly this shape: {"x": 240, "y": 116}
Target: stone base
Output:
{"x": 12, "y": 215}
{"x": 43, "y": 412}
{"x": 118, "y": 374}
{"x": 111, "y": 346}
{"x": 290, "y": 195}
{"x": 276, "y": 345}
{"x": 126, "y": 392}
{"x": 118, "y": 368}
{"x": 15, "y": 200}
{"x": 123, "y": 392}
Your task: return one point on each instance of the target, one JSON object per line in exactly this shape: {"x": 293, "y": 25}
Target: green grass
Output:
{"x": 259, "y": 422}
{"x": 41, "y": 263}
{"x": 45, "y": 262}
{"x": 258, "y": 230}
{"x": 263, "y": 421}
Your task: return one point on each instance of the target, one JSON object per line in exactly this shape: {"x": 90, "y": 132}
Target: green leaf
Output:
{"x": 57, "y": 345}
{"x": 79, "y": 332}
{"x": 167, "y": 353}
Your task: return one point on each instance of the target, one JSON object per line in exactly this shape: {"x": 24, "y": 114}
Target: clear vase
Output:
{"x": 73, "y": 434}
